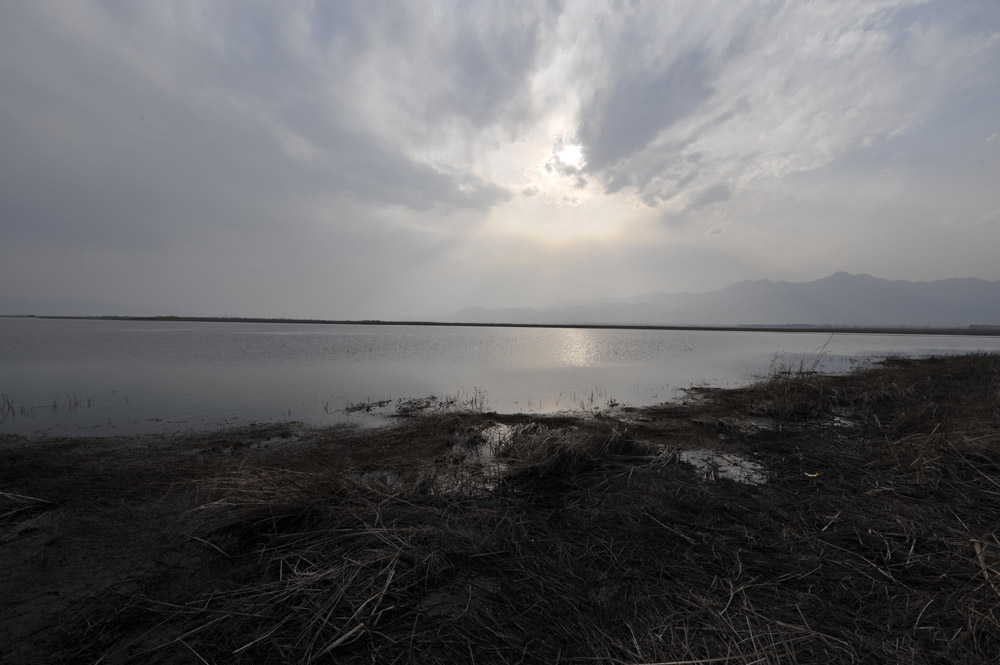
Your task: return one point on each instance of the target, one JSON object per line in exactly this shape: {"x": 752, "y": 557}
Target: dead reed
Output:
{"x": 876, "y": 538}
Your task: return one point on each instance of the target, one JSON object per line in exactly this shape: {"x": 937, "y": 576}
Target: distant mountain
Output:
{"x": 841, "y": 299}
{"x": 67, "y": 307}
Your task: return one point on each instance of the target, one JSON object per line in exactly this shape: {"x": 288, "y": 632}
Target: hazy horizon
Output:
{"x": 840, "y": 300}
{"x": 403, "y": 161}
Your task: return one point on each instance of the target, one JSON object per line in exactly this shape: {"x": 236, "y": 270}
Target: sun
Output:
{"x": 571, "y": 155}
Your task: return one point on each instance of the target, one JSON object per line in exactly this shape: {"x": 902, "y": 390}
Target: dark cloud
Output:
{"x": 616, "y": 182}
{"x": 712, "y": 194}
{"x": 629, "y": 113}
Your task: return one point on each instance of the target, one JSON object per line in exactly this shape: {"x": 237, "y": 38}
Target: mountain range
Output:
{"x": 841, "y": 299}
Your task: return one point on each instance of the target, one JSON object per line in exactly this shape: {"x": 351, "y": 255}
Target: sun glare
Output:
{"x": 572, "y": 155}
{"x": 577, "y": 348}
{"x": 549, "y": 218}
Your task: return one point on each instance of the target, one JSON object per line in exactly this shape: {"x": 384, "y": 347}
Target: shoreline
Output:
{"x": 802, "y": 518}
{"x": 975, "y": 330}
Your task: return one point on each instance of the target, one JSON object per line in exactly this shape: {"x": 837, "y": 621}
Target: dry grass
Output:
{"x": 876, "y": 538}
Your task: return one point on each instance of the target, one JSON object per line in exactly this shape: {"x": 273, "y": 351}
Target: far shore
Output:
{"x": 978, "y": 330}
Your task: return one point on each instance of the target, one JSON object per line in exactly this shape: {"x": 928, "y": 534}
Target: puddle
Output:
{"x": 378, "y": 477}
{"x": 841, "y": 418}
{"x": 484, "y": 446}
{"x": 496, "y": 436}
{"x": 476, "y": 464}
{"x": 712, "y": 465}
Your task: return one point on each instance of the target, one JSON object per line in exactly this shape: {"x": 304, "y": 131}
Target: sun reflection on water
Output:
{"x": 578, "y": 348}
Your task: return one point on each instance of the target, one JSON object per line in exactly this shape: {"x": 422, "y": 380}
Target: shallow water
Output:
{"x": 122, "y": 377}
{"x": 712, "y": 465}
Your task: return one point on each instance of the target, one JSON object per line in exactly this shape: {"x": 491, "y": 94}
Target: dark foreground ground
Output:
{"x": 805, "y": 519}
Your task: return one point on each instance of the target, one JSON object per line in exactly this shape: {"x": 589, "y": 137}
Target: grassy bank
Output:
{"x": 804, "y": 519}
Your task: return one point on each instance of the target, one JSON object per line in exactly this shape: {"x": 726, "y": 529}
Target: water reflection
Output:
{"x": 578, "y": 348}
{"x": 712, "y": 466}
{"x": 123, "y": 377}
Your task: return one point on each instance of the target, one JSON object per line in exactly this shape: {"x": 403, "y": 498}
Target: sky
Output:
{"x": 401, "y": 160}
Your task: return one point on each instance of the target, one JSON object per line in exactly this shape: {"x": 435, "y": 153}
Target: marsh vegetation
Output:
{"x": 865, "y": 532}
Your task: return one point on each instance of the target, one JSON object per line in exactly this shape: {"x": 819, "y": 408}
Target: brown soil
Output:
{"x": 819, "y": 519}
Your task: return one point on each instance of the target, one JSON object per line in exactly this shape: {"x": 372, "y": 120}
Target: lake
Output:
{"x": 90, "y": 377}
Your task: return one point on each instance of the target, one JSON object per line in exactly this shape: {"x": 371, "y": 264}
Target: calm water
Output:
{"x": 123, "y": 377}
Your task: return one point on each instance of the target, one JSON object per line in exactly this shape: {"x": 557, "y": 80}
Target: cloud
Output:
{"x": 687, "y": 107}
{"x": 630, "y": 113}
{"x": 376, "y": 143}
{"x": 712, "y": 194}
{"x": 137, "y": 139}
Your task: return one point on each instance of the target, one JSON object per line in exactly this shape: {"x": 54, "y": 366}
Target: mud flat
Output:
{"x": 803, "y": 519}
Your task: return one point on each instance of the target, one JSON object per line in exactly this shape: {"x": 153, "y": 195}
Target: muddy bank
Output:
{"x": 804, "y": 519}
